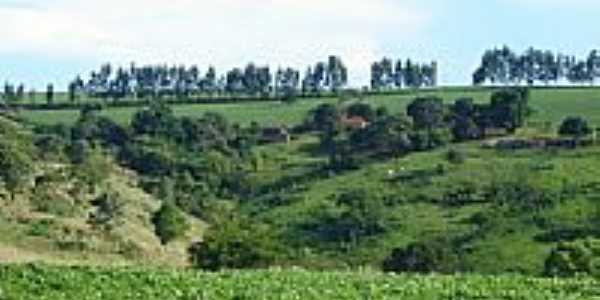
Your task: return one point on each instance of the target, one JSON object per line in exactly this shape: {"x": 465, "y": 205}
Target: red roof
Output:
{"x": 356, "y": 121}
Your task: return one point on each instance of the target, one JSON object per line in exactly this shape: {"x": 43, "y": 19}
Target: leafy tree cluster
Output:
{"x": 182, "y": 81}
{"x": 12, "y": 94}
{"x": 169, "y": 222}
{"x": 427, "y": 124}
{"x": 234, "y": 242}
{"x": 325, "y": 76}
{"x": 572, "y": 258}
{"x": 386, "y": 74}
{"x": 503, "y": 66}
{"x": 354, "y": 215}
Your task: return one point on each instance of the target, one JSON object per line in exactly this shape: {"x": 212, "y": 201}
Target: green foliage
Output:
{"x": 169, "y": 223}
{"x": 94, "y": 168}
{"x": 427, "y": 113}
{"x": 518, "y": 194}
{"x": 234, "y": 242}
{"x": 509, "y": 108}
{"x": 572, "y": 258}
{"x": 16, "y": 161}
{"x": 574, "y": 126}
{"x": 156, "y": 119}
{"x": 424, "y": 257}
{"x": 388, "y": 134}
{"x": 41, "y": 228}
{"x": 30, "y": 282}
{"x": 324, "y": 117}
{"x": 356, "y": 215}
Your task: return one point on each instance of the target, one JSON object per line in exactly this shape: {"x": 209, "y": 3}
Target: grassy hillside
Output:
{"x": 217, "y": 173}
{"x": 50, "y": 217}
{"x": 549, "y": 104}
{"x": 418, "y": 211}
{"x": 40, "y": 282}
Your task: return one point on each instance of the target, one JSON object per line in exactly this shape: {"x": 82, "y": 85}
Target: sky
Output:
{"x": 44, "y": 41}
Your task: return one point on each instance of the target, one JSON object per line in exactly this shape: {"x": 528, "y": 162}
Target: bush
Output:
{"x": 520, "y": 195}
{"x": 568, "y": 259}
{"x": 356, "y": 215}
{"x": 169, "y": 223}
{"x": 41, "y": 228}
{"x": 423, "y": 257}
{"x": 574, "y": 126}
{"x": 233, "y": 242}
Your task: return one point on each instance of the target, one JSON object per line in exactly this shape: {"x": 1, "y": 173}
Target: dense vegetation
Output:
{"x": 503, "y": 66}
{"x": 432, "y": 181}
{"x": 40, "y": 282}
{"x": 189, "y": 84}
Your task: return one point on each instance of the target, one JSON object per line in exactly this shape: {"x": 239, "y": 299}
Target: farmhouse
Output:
{"x": 354, "y": 122}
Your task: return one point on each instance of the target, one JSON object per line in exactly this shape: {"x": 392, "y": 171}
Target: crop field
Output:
{"x": 88, "y": 283}
{"x": 548, "y": 105}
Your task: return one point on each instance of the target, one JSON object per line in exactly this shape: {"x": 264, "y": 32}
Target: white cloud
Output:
{"x": 223, "y": 32}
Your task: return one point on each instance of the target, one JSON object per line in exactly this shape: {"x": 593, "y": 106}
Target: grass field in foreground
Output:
{"x": 86, "y": 283}
{"x": 549, "y": 105}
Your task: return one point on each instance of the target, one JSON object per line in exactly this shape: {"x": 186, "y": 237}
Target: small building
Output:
{"x": 275, "y": 135}
{"x": 355, "y": 122}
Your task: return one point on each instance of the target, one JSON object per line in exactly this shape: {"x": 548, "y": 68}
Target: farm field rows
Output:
{"x": 88, "y": 283}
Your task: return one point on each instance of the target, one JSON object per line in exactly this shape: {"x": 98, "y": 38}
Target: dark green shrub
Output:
{"x": 574, "y": 126}
{"x": 568, "y": 259}
{"x": 234, "y": 242}
{"x": 424, "y": 257}
{"x": 169, "y": 223}
{"x": 41, "y": 228}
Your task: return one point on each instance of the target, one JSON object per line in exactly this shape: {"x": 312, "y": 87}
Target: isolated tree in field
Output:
{"x": 169, "y": 223}
{"x": 576, "y": 127}
{"x": 50, "y": 94}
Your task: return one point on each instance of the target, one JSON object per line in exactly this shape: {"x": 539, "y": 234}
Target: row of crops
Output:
{"x": 56, "y": 283}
